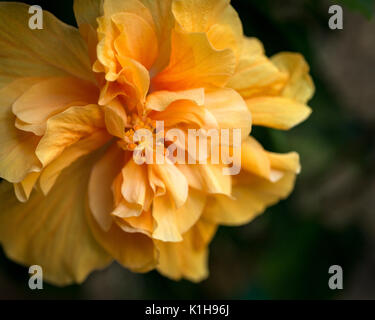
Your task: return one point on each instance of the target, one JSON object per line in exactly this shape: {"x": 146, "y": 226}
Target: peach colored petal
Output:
{"x": 83, "y": 147}
{"x": 229, "y": 109}
{"x": 216, "y": 17}
{"x": 136, "y": 7}
{"x": 254, "y": 158}
{"x": 207, "y": 178}
{"x": 56, "y": 50}
{"x": 188, "y": 258}
{"x": 172, "y": 223}
{"x": 86, "y": 11}
{"x": 51, "y": 96}
{"x": 136, "y": 75}
{"x": 67, "y": 128}
{"x": 23, "y": 189}
{"x": 174, "y": 181}
{"x": 255, "y": 74}
{"x": 135, "y": 188}
{"x": 142, "y": 224}
{"x": 250, "y": 198}
{"x": 36, "y": 128}
{"x": 277, "y": 112}
{"x": 186, "y": 112}
{"x": 160, "y": 100}
{"x": 115, "y": 118}
{"x": 137, "y": 39}
{"x": 101, "y": 201}
{"x": 194, "y": 63}
{"x": 163, "y": 23}
{"x": 17, "y": 148}
{"x": 299, "y": 86}
{"x": 54, "y": 230}
{"x": 134, "y": 251}
{"x": 285, "y": 162}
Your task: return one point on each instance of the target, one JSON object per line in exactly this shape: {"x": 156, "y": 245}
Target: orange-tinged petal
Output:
{"x": 250, "y": 198}
{"x": 216, "y": 17}
{"x": 135, "y": 188}
{"x": 188, "y": 258}
{"x": 134, "y": 251}
{"x": 125, "y": 210}
{"x": 164, "y": 213}
{"x": 285, "y": 162}
{"x": 299, "y": 86}
{"x": 121, "y": 90}
{"x": 255, "y": 74}
{"x": 137, "y": 39}
{"x": 17, "y": 148}
{"x": 136, "y": 7}
{"x": 143, "y": 224}
{"x": 268, "y": 165}
{"x": 66, "y": 128}
{"x": 156, "y": 183}
{"x": 172, "y": 223}
{"x": 277, "y": 112}
{"x": 54, "y": 230}
{"x": 207, "y": 178}
{"x": 86, "y": 11}
{"x": 115, "y": 118}
{"x": 100, "y": 193}
{"x": 56, "y": 50}
{"x": 229, "y": 110}
{"x": 51, "y": 96}
{"x": 105, "y": 51}
{"x": 84, "y": 146}
{"x": 107, "y": 32}
{"x": 23, "y": 189}
{"x": 186, "y": 112}
{"x": 202, "y": 233}
{"x": 160, "y": 100}
{"x": 173, "y": 180}
{"x": 191, "y": 211}
{"x": 194, "y": 63}
{"x": 135, "y": 74}
{"x": 163, "y": 23}
{"x": 254, "y": 158}
{"x": 35, "y": 128}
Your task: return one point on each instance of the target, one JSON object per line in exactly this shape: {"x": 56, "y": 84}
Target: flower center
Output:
{"x": 134, "y": 123}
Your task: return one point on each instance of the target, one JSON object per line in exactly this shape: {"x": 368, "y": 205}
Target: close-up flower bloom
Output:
{"x": 73, "y": 198}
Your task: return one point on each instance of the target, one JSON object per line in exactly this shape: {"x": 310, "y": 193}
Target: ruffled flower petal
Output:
{"x": 215, "y": 17}
{"x": 255, "y": 74}
{"x": 172, "y": 222}
{"x": 17, "y": 148}
{"x": 277, "y": 112}
{"x": 67, "y": 128}
{"x": 265, "y": 179}
{"x": 86, "y": 11}
{"x": 56, "y": 50}
{"x": 229, "y": 110}
{"x": 34, "y": 108}
{"x": 249, "y": 200}
{"x": 189, "y": 258}
{"x": 299, "y": 86}
{"x": 135, "y": 251}
{"x": 52, "y": 231}
{"x": 100, "y": 192}
{"x": 194, "y": 63}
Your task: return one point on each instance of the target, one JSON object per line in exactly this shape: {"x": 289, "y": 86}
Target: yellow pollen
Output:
{"x": 134, "y": 123}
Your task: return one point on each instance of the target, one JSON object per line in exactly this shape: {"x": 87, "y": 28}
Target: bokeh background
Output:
{"x": 329, "y": 219}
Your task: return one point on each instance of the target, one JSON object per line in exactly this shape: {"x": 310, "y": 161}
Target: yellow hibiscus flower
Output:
{"x": 71, "y": 100}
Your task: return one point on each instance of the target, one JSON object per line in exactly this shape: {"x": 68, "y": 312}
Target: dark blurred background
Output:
{"x": 330, "y": 217}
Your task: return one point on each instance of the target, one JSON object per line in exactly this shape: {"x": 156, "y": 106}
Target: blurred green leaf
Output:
{"x": 366, "y": 7}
